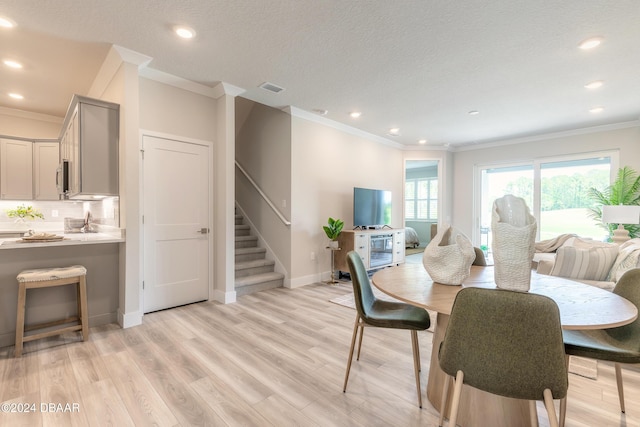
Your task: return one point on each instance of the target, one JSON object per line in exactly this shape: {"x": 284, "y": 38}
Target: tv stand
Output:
{"x": 378, "y": 248}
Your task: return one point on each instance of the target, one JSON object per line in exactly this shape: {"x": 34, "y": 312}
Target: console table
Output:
{"x": 378, "y": 248}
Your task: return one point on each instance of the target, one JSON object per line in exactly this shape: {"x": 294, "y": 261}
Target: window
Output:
{"x": 421, "y": 199}
{"x": 555, "y": 189}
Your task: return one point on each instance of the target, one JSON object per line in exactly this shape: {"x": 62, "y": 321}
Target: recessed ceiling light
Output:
{"x": 422, "y": 141}
{"x": 596, "y": 110}
{"x": 394, "y": 132}
{"x": 355, "y": 114}
{"x": 321, "y": 111}
{"x": 6, "y": 22}
{"x": 594, "y": 84}
{"x": 12, "y": 64}
{"x": 16, "y": 96}
{"x": 474, "y": 112}
{"x": 590, "y": 43}
{"x": 185, "y": 32}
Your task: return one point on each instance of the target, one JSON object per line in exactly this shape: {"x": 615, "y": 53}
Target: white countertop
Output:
{"x": 68, "y": 240}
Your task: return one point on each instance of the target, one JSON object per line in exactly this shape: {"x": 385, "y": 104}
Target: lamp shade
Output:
{"x": 620, "y": 214}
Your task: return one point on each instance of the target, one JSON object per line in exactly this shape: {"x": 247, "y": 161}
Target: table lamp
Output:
{"x": 620, "y": 214}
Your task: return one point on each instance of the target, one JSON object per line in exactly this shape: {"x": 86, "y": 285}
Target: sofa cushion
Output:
{"x": 584, "y": 263}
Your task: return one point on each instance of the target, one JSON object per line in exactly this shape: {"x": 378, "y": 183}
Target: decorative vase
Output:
{"x": 513, "y": 234}
{"x": 448, "y": 257}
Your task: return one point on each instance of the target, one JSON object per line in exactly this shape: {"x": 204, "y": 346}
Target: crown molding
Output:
{"x": 12, "y": 112}
{"x": 215, "y": 92}
{"x": 550, "y": 135}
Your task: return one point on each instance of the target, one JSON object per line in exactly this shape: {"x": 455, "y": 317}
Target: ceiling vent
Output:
{"x": 271, "y": 87}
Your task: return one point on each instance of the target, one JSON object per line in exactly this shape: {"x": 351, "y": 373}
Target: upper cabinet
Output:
{"x": 16, "y": 169}
{"x": 28, "y": 169}
{"x": 46, "y": 156}
{"x": 89, "y": 150}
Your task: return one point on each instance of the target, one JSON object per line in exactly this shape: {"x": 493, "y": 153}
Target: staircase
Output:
{"x": 254, "y": 273}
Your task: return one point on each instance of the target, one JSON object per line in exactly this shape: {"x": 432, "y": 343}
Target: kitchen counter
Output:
{"x": 69, "y": 239}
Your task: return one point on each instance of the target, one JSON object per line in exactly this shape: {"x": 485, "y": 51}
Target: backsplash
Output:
{"x": 103, "y": 212}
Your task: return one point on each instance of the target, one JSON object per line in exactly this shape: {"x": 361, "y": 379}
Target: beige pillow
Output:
{"x": 584, "y": 263}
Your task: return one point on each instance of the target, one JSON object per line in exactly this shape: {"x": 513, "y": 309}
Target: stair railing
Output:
{"x": 264, "y": 196}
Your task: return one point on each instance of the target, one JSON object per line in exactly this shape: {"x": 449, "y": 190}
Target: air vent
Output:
{"x": 271, "y": 87}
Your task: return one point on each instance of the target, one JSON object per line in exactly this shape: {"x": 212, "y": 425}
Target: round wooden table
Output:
{"x": 581, "y": 307}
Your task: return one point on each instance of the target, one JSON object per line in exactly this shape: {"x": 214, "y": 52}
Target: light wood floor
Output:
{"x": 273, "y": 358}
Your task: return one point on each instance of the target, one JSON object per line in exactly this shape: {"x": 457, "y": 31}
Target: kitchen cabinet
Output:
{"x": 16, "y": 169}
{"x": 46, "y": 157}
{"x": 89, "y": 147}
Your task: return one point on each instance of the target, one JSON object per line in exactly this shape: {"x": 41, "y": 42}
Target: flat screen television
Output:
{"x": 371, "y": 208}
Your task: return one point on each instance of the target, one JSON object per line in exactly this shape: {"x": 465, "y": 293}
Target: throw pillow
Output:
{"x": 582, "y": 263}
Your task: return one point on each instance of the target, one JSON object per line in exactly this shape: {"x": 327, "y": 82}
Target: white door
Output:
{"x": 176, "y": 222}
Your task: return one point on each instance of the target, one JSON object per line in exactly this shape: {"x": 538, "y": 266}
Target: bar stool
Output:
{"x": 46, "y": 278}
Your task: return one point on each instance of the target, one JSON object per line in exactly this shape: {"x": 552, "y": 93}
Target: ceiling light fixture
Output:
{"x": 596, "y": 110}
{"x": 394, "y": 132}
{"x": 355, "y": 114}
{"x": 594, "y": 84}
{"x": 6, "y": 22}
{"x": 16, "y": 96}
{"x": 590, "y": 43}
{"x": 185, "y": 32}
{"x": 321, "y": 111}
{"x": 474, "y": 112}
{"x": 12, "y": 64}
{"x": 422, "y": 141}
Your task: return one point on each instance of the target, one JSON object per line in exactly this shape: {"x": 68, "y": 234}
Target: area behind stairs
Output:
{"x": 254, "y": 273}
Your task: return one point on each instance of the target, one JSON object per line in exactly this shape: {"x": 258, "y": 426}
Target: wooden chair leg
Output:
{"x": 356, "y": 326}
{"x": 416, "y": 364}
{"x": 563, "y": 402}
{"x": 443, "y": 403}
{"x": 455, "y": 400}
{"x": 619, "y": 383}
{"x": 83, "y": 315}
{"x": 360, "y": 339}
{"x": 533, "y": 413}
{"x": 551, "y": 410}
{"x": 22, "y": 297}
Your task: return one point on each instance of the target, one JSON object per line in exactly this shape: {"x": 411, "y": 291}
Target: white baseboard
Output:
{"x": 224, "y": 297}
{"x": 127, "y": 320}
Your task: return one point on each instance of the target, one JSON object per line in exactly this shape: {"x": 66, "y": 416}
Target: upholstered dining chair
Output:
{"x": 506, "y": 343}
{"x": 372, "y": 311}
{"x": 619, "y": 345}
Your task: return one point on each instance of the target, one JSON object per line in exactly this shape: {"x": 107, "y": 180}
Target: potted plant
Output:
{"x": 625, "y": 190}
{"x": 332, "y": 230}
{"x": 22, "y": 213}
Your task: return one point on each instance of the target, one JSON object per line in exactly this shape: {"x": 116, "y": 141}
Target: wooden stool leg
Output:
{"x": 22, "y": 296}
{"x": 82, "y": 307}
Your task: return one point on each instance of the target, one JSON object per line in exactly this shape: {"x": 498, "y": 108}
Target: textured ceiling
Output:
{"x": 418, "y": 65}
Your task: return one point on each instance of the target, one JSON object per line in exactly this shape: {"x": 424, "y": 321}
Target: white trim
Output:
{"x": 215, "y": 92}
{"x": 297, "y": 112}
{"x": 224, "y": 297}
{"x": 127, "y": 320}
{"x": 12, "y": 112}
{"x": 308, "y": 280}
{"x": 545, "y": 136}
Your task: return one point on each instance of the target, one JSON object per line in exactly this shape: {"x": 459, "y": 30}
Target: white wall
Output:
{"x": 624, "y": 139}
{"x": 326, "y": 164}
{"x": 175, "y": 111}
{"x": 25, "y": 124}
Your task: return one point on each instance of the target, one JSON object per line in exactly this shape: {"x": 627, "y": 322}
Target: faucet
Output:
{"x": 87, "y": 223}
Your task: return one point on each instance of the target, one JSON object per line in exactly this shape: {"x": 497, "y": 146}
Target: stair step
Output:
{"x": 249, "y": 254}
{"x": 246, "y": 241}
{"x": 242, "y": 230}
{"x": 258, "y": 282}
{"x": 250, "y": 268}
{"x": 239, "y": 219}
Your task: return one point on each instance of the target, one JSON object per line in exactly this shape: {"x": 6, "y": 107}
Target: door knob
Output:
{"x": 203, "y": 230}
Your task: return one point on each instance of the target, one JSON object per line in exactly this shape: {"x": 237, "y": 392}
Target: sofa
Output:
{"x": 585, "y": 260}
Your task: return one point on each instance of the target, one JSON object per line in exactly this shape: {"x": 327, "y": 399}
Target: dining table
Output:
{"x": 581, "y": 307}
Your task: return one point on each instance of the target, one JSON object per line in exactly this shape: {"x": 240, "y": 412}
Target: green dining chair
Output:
{"x": 507, "y": 343}
{"x": 619, "y": 345}
{"x": 372, "y": 311}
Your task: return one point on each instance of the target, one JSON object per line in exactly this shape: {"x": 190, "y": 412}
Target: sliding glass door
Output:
{"x": 555, "y": 189}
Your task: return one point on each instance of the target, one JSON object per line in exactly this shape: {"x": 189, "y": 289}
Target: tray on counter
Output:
{"x": 42, "y": 238}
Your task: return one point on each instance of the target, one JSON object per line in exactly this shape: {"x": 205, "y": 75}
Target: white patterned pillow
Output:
{"x": 582, "y": 263}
